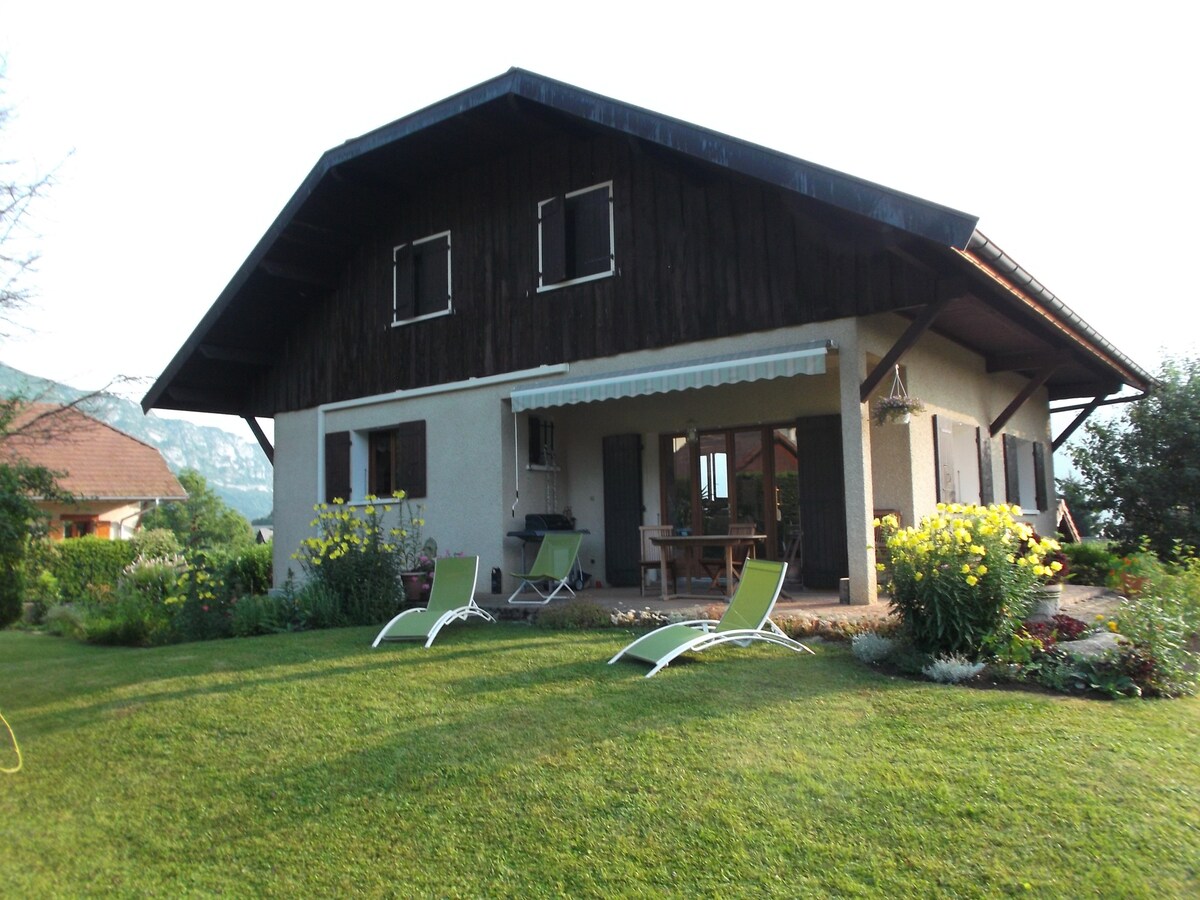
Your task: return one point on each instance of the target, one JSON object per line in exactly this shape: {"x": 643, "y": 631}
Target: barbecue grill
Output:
{"x": 536, "y": 526}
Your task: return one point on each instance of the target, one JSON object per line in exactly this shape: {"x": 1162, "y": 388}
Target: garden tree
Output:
{"x": 17, "y": 256}
{"x": 203, "y": 521}
{"x": 1144, "y": 466}
{"x": 21, "y": 520}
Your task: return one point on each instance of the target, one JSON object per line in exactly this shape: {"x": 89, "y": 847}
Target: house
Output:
{"x": 115, "y": 477}
{"x": 528, "y": 298}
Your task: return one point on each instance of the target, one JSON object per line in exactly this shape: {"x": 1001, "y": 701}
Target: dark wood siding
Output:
{"x": 699, "y": 254}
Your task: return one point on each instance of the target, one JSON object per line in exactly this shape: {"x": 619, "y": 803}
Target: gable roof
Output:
{"x": 326, "y": 216}
{"x": 99, "y": 461}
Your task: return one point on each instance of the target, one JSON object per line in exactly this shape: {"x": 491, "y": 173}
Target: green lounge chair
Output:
{"x": 552, "y": 567}
{"x": 451, "y": 600}
{"x": 749, "y": 611}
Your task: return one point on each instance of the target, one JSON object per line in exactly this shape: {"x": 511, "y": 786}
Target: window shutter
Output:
{"x": 431, "y": 276}
{"x": 410, "y": 458}
{"x": 553, "y": 241}
{"x": 404, "y": 277}
{"x": 337, "y": 466}
{"x": 987, "y": 488}
{"x": 1012, "y": 470}
{"x": 1039, "y": 476}
{"x": 943, "y": 459}
{"x": 592, "y": 252}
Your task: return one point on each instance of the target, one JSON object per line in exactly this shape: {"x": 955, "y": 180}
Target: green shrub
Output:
{"x": 65, "y": 620}
{"x": 961, "y": 578}
{"x": 82, "y": 564}
{"x": 1091, "y": 562}
{"x": 574, "y": 615}
{"x": 249, "y": 570}
{"x": 155, "y": 543}
{"x": 12, "y": 590}
{"x": 256, "y": 614}
{"x": 357, "y": 560}
{"x": 129, "y": 620}
{"x": 42, "y": 592}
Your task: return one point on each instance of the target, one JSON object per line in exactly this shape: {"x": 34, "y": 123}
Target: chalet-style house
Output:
{"x": 115, "y": 478}
{"x": 528, "y": 298}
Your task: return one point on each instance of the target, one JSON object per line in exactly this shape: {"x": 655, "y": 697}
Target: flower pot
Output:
{"x": 1047, "y": 600}
{"x": 414, "y": 586}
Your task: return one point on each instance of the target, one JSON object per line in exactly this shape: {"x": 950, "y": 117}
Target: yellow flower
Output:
{"x": 1112, "y": 626}
{"x": 918, "y": 576}
{"x": 966, "y": 569}
{"x": 972, "y": 580}
{"x": 982, "y": 570}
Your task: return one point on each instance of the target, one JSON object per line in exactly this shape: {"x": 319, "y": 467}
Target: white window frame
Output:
{"x": 449, "y": 281}
{"x": 612, "y": 240}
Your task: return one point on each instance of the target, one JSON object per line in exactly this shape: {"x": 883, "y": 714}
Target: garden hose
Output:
{"x": 16, "y": 747}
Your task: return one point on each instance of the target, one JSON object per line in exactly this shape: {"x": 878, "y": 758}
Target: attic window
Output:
{"x": 575, "y": 237}
{"x": 421, "y": 279}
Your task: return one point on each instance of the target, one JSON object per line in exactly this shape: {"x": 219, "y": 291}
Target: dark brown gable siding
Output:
{"x": 700, "y": 254}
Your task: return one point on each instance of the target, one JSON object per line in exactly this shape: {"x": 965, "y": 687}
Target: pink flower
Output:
{"x": 205, "y": 608}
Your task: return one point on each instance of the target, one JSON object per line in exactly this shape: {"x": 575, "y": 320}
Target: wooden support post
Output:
{"x": 262, "y": 438}
{"x": 1076, "y": 422}
{"x": 914, "y": 331}
{"x": 1018, "y": 401}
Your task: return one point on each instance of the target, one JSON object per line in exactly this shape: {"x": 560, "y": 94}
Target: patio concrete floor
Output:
{"x": 1081, "y": 601}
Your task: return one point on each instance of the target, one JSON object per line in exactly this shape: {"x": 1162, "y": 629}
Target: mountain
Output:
{"x": 236, "y": 468}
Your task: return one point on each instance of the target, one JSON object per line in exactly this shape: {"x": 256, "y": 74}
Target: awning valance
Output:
{"x": 759, "y": 365}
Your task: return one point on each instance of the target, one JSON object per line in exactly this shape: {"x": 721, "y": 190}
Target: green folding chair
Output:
{"x": 747, "y": 619}
{"x": 552, "y": 568}
{"x": 452, "y": 599}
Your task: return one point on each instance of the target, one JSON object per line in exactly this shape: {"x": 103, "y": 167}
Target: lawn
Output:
{"x": 509, "y": 761}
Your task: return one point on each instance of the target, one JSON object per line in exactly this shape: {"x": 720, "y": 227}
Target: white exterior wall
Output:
{"x": 477, "y": 454}
{"x": 951, "y": 381}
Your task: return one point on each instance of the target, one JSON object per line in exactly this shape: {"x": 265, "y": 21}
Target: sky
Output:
{"x": 176, "y": 133}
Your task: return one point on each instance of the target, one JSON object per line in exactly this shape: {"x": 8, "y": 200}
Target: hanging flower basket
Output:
{"x": 897, "y": 406}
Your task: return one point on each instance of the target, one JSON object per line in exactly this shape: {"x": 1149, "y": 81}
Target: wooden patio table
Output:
{"x": 693, "y": 545}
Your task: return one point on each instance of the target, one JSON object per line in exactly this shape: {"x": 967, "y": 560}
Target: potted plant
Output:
{"x": 897, "y": 408}
{"x": 1054, "y": 570}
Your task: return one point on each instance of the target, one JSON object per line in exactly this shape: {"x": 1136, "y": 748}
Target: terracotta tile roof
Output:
{"x": 99, "y": 461}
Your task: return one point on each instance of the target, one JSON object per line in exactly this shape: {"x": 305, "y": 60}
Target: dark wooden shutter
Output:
{"x": 1012, "y": 469}
{"x": 622, "y": 461}
{"x": 430, "y": 276}
{"x": 822, "y": 492}
{"x": 554, "y": 241}
{"x": 1039, "y": 476}
{"x": 337, "y": 466}
{"x": 405, "y": 281}
{"x": 588, "y": 241}
{"x": 987, "y": 487}
{"x": 410, "y": 458}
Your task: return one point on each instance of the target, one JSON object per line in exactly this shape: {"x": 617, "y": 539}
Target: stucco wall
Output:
{"x": 951, "y": 381}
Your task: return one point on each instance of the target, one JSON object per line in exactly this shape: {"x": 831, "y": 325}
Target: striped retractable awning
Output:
{"x": 781, "y": 362}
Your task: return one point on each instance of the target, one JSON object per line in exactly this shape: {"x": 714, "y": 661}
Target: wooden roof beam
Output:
{"x": 1020, "y": 362}
{"x": 1018, "y": 401}
{"x": 1077, "y": 421}
{"x": 234, "y": 355}
{"x": 297, "y": 274}
{"x": 911, "y": 335}
{"x": 261, "y": 437}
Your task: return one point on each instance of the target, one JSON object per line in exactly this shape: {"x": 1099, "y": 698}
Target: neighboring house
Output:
{"x": 115, "y": 477}
{"x": 529, "y": 298}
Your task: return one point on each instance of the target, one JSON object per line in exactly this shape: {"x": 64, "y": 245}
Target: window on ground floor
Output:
{"x": 377, "y": 461}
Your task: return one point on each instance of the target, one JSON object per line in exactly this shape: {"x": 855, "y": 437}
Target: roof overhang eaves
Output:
{"x": 1002, "y": 269}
